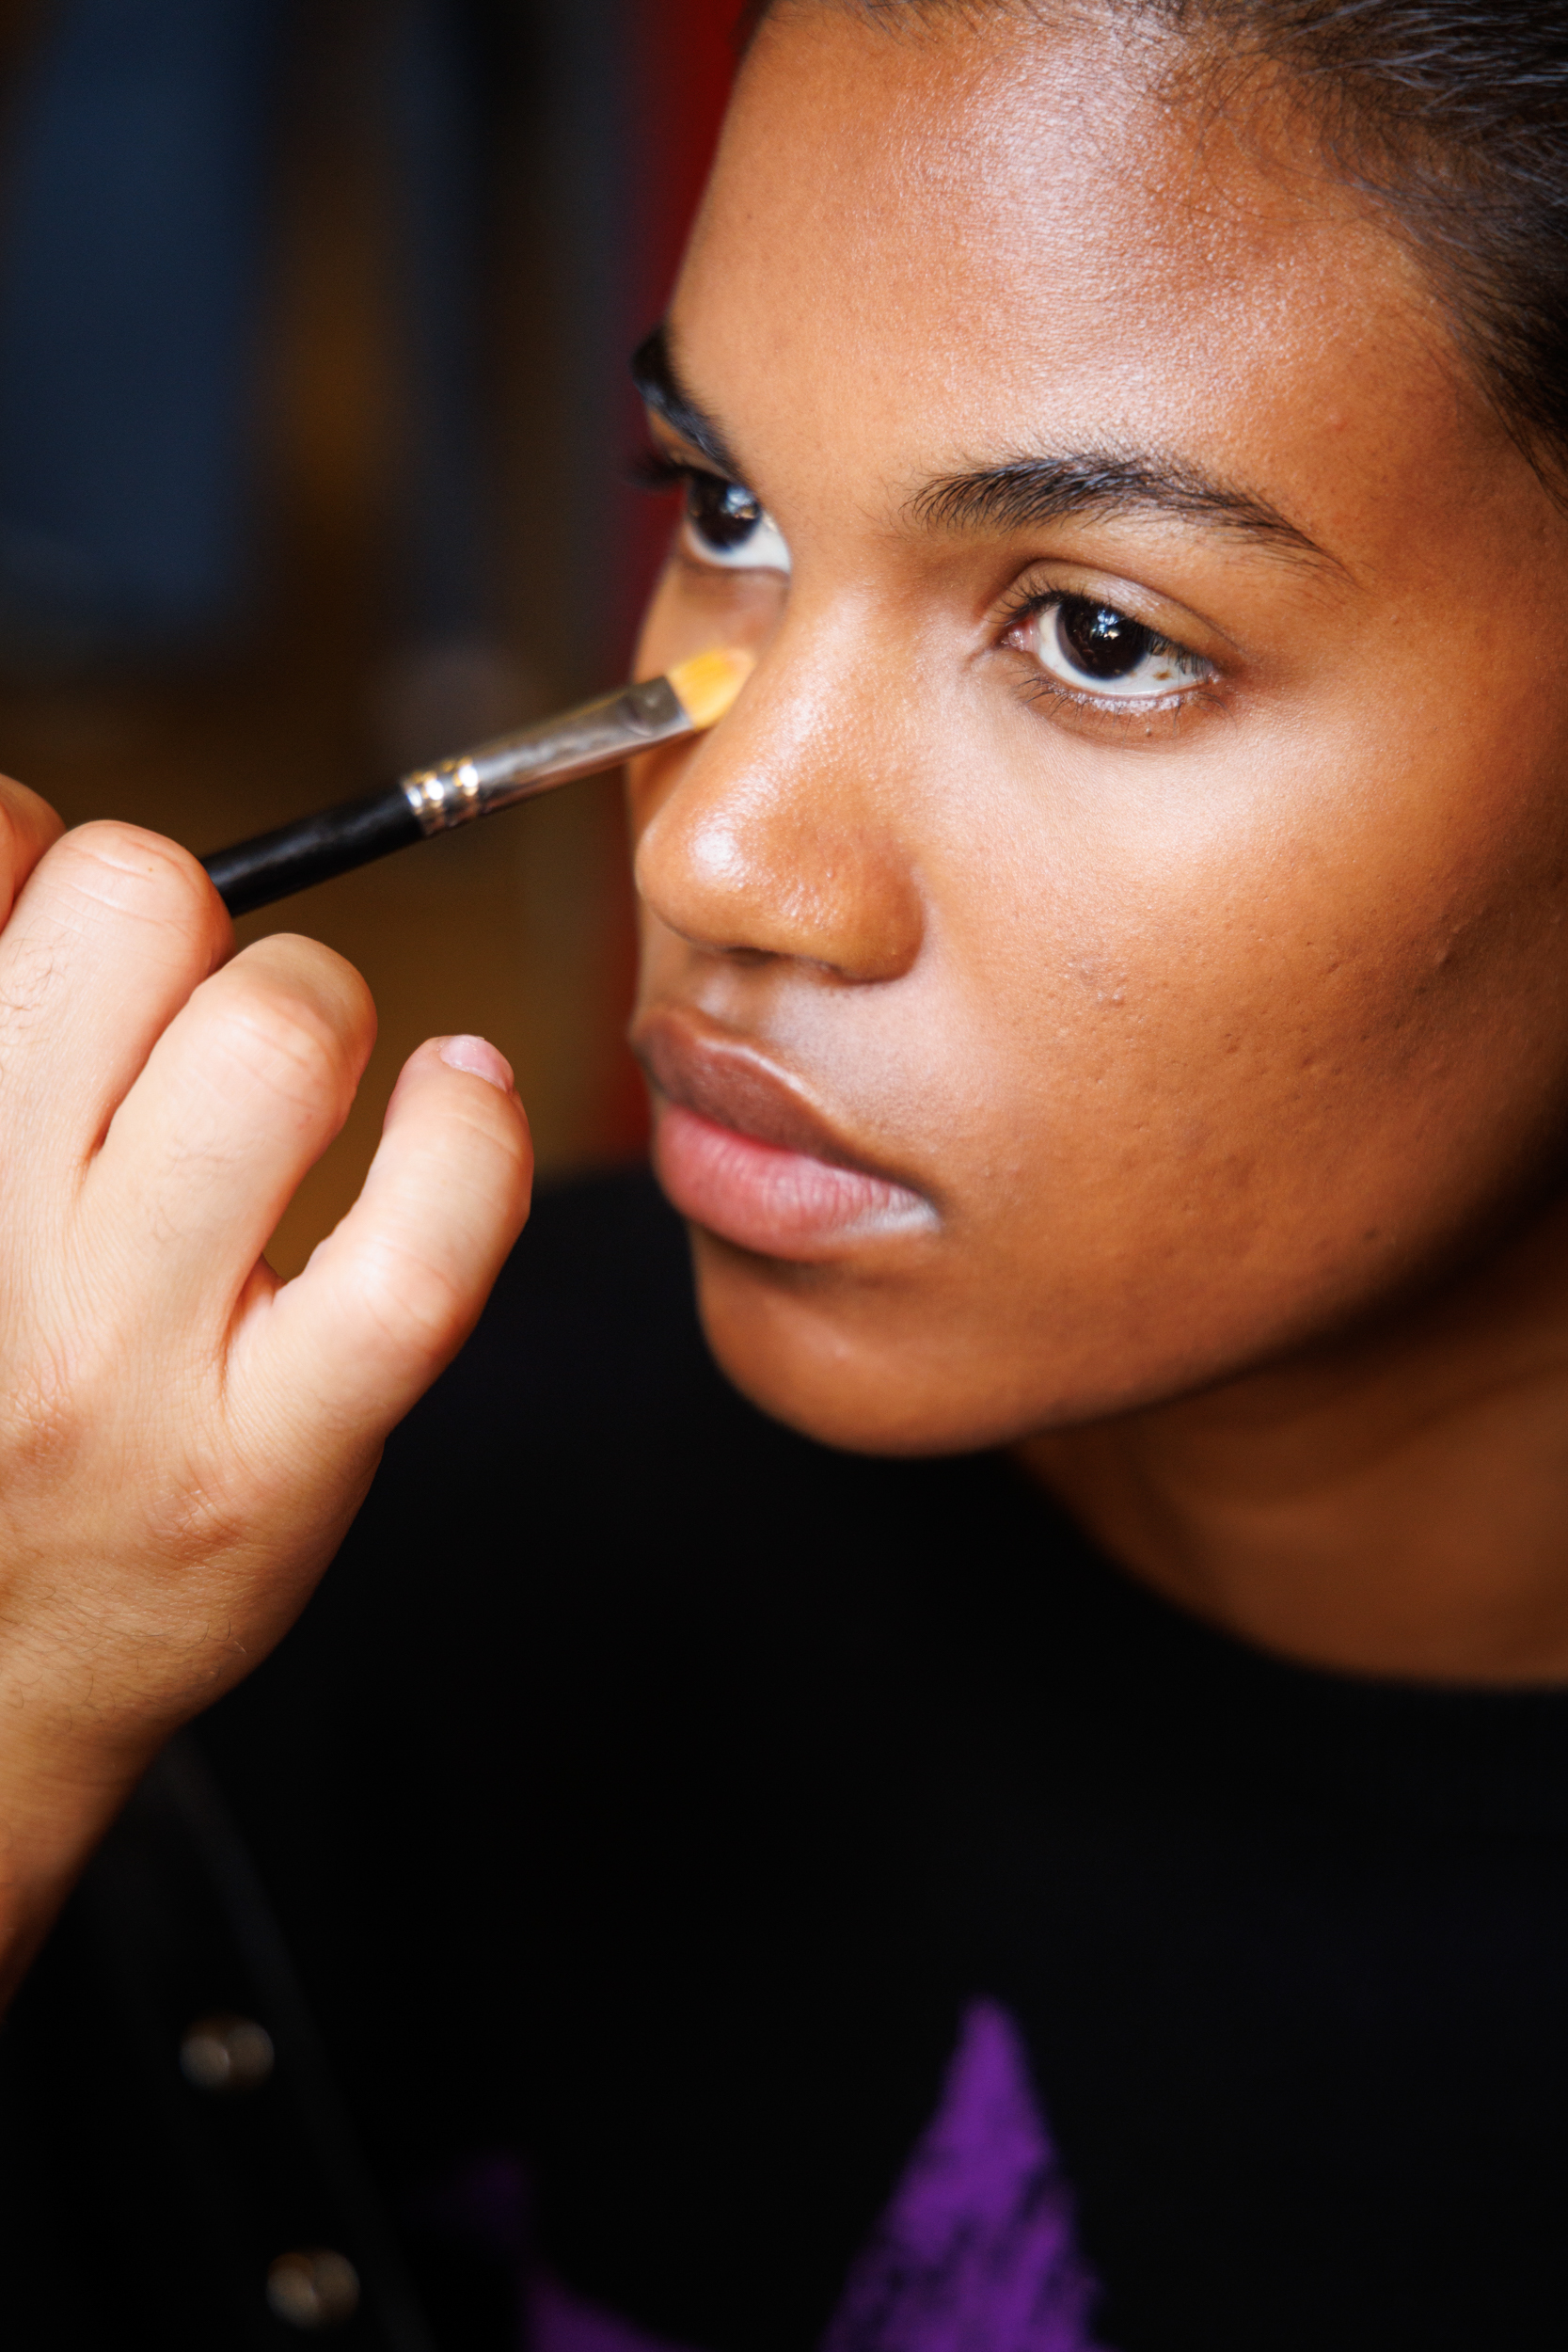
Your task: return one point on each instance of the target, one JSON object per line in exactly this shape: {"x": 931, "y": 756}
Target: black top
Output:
{"x": 653, "y": 1803}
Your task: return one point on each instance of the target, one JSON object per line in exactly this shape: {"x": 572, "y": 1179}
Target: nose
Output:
{"x": 781, "y": 834}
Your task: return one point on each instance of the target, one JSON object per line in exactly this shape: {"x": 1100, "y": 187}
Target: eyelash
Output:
{"x": 724, "y": 526}
{"x": 1029, "y": 604}
{"x": 656, "y": 472}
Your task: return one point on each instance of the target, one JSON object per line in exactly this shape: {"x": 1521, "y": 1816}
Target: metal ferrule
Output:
{"x": 598, "y": 735}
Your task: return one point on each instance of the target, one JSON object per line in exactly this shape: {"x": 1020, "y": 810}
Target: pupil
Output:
{"x": 723, "y": 513}
{"x": 1102, "y": 642}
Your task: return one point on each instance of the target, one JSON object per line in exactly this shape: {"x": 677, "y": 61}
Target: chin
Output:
{"x": 865, "y": 1366}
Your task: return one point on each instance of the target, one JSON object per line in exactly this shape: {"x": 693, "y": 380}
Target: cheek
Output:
{"x": 1256, "y": 1077}
{"x": 1177, "y": 1124}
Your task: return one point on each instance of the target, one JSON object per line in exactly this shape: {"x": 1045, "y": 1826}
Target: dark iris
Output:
{"x": 1102, "y": 642}
{"x": 723, "y": 513}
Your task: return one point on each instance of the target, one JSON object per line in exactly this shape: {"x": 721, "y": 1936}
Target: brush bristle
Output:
{"x": 709, "y": 682}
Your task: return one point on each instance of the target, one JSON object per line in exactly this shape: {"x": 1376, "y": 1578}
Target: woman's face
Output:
{"x": 1118, "y": 935}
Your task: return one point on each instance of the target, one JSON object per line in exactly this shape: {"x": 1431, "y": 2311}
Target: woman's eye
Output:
{"x": 1097, "y": 650}
{"x": 725, "y": 525}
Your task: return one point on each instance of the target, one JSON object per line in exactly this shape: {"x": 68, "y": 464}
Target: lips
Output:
{"x": 741, "y": 1150}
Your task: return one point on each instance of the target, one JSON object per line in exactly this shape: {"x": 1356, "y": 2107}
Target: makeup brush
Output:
{"x": 580, "y": 743}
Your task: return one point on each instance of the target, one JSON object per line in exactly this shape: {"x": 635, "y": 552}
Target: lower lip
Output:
{"x": 780, "y": 1203}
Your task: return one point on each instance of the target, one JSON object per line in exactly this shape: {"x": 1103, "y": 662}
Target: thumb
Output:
{"x": 390, "y": 1296}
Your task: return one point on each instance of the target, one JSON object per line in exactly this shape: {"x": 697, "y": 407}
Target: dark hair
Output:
{"x": 1453, "y": 114}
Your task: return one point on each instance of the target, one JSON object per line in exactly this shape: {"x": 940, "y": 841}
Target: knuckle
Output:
{"x": 100, "y": 880}
{"x": 125, "y": 871}
{"x": 307, "y": 967}
{"x": 277, "y": 1043}
{"x": 190, "y": 1523}
{"x": 415, "y": 1304}
{"x": 40, "y": 1419}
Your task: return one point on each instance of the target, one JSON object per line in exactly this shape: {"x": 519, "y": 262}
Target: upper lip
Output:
{"x": 693, "y": 1061}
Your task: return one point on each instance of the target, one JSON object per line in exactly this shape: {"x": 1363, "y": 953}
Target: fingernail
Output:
{"x": 479, "y": 1057}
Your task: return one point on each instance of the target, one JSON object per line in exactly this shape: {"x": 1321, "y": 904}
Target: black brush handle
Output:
{"x": 581, "y": 742}
{"x": 313, "y": 850}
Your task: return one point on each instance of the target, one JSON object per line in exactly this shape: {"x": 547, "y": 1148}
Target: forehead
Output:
{"x": 941, "y": 246}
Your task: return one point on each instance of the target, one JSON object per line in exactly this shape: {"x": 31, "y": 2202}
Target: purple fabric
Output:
{"x": 976, "y": 2252}
{"x": 560, "y": 2323}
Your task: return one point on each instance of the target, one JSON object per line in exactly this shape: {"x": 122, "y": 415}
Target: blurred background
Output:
{"x": 314, "y": 444}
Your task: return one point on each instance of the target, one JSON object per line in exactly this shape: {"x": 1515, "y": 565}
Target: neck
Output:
{"x": 1395, "y": 1504}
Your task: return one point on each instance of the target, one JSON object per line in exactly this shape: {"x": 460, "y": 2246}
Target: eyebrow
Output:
{"x": 1033, "y": 490}
{"x": 658, "y": 385}
{"x": 1022, "y": 492}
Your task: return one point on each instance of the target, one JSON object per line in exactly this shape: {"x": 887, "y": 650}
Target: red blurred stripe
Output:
{"x": 683, "y": 70}
{"x": 679, "y": 63}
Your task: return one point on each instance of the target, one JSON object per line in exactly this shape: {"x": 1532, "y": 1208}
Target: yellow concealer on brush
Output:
{"x": 581, "y": 742}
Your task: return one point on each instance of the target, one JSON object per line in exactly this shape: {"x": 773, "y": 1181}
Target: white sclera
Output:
{"x": 764, "y": 549}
